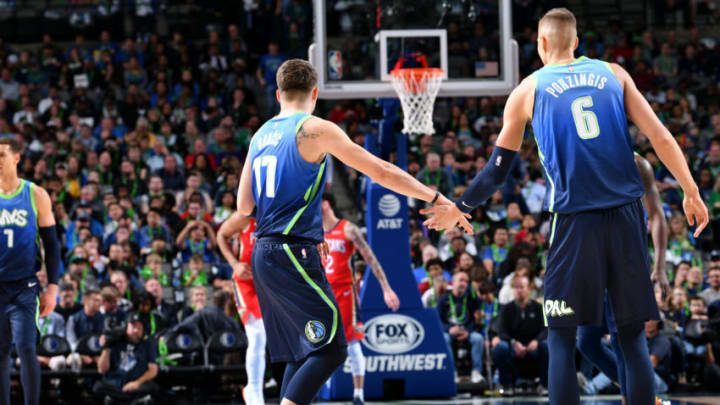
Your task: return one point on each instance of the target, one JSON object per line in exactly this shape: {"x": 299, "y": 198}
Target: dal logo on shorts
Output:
{"x": 393, "y": 333}
{"x": 315, "y": 331}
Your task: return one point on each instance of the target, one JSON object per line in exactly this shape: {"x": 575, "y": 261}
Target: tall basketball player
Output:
{"x": 598, "y": 235}
{"x": 283, "y": 177}
{"x": 246, "y": 300}
{"x": 26, "y": 218}
{"x": 343, "y": 237}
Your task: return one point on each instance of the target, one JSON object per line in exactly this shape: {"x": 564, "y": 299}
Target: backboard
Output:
{"x": 358, "y": 42}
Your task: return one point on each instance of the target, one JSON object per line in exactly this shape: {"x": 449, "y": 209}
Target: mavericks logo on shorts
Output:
{"x": 315, "y": 331}
{"x": 557, "y": 308}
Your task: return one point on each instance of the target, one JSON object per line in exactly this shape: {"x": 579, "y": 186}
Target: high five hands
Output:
{"x": 445, "y": 215}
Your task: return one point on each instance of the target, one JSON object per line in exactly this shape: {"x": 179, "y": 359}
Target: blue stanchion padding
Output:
{"x": 407, "y": 345}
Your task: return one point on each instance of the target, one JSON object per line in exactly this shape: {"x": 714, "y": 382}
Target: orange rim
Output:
{"x": 414, "y": 79}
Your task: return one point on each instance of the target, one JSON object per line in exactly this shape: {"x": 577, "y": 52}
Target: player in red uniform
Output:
{"x": 246, "y": 299}
{"x": 343, "y": 237}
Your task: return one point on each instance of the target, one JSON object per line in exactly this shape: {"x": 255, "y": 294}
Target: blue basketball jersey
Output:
{"x": 286, "y": 188}
{"x": 583, "y": 141}
{"x": 19, "y": 240}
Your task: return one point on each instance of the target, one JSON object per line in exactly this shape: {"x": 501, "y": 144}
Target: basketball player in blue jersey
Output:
{"x": 25, "y": 218}
{"x": 579, "y": 109}
{"x": 283, "y": 179}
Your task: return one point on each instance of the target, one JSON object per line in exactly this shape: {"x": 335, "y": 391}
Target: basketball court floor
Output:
{"x": 597, "y": 400}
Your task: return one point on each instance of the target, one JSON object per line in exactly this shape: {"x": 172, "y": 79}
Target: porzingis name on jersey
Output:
{"x": 17, "y": 217}
{"x": 576, "y": 80}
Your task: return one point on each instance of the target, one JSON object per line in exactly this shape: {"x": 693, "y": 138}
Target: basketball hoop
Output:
{"x": 417, "y": 89}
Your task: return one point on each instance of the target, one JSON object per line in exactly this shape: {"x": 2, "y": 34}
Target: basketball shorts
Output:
{"x": 298, "y": 305}
{"x": 349, "y": 311}
{"x": 19, "y": 311}
{"x": 246, "y": 300}
{"x": 590, "y": 252}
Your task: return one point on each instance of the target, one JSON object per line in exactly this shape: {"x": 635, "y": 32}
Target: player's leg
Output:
{"x": 255, "y": 360}
{"x": 357, "y": 366}
{"x": 5, "y": 342}
{"x": 591, "y": 346}
{"x": 632, "y": 297}
{"x": 306, "y": 381}
{"x": 561, "y": 367}
{"x": 574, "y": 292}
{"x": 620, "y": 364}
{"x": 22, "y": 314}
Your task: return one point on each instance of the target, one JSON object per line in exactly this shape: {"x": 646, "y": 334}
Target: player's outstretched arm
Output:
{"x": 640, "y": 112}
{"x": 235, "y": 224}
{"x": 322, "y": 137}
{"x": 518, "y": 112}
{"x": 658, "y": 225}
{"x": 245, "y": 201}
{"x": 51, "y": 245}
{"x": 353, "y": 234}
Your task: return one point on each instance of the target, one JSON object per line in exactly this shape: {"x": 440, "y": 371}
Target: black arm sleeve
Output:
{"x": 490, "y": 178}
{"x": 48, "y": 234}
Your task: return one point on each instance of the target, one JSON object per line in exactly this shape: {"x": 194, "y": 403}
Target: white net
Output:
{"x": 417, "y": 89}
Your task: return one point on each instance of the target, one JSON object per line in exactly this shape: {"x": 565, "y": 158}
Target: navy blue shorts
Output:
{"x": 298, "y": 306}
{"x": 19, "y": 311}
{"x": 594, "y": 250}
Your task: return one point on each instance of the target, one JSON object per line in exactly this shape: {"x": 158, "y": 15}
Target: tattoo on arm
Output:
{"x": 304, "y": 136}
{"x": 356, "y": 237}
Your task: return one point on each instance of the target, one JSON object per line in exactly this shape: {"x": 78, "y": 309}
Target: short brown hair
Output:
{"x": 563, "y": 22}
{"x": 109, "y": 293}
{"x": 14, "y": 145}
{"x": 296, "y": 76}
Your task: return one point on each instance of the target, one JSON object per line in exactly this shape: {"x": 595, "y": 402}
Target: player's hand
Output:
{"x": 391, "y": 299}
{"x": 48, "y": 299}
{"x": 659, "y": 276}
{"x": 242, "y": 271}
{"x": 324, "y": 250}
{"x": 445, "y": 217}
{"x": 695, "y": 211}
{"x": 131, "y": 386}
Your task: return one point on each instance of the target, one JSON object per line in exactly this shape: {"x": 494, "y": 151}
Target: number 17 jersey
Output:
{"x": 583, "y": 141}
{"x": 286, "y": 188}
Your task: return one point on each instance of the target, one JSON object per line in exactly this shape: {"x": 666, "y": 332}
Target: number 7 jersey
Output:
{"x": 286, "y": 188}
{"x": 583, "y": 141}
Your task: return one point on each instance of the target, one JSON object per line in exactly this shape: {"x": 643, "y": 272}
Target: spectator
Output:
{"x": 83, "y": 323}
{"x": 198, "y": 301}
{"x": 521, "y": 335}
{"x": 200, "y": 241}
{"x": 267, "y": 69}
{"x": 712, "y": 293}
{"x": 660, "y": 348}
{"x": 694, "y": 341}
{"x": 154, "y": 228}
{"x": 457, "y": 314}
{"x": 195, "y": 275}
{"x": 120, "y": 280}
{"x": 434, "y": 269}
{"x": 170, "y": 174}
{"x": 113, "y": 315}
{"x": 67, "y": 304}
{"x": 433, "y": 176}
{"x": 421, "y": 273}
{"x": 694, "y": 283}
{"x": 164, "y": 308}
{"x": 432, "y": 295}
{"x": 495, "y": 254}
{"x": 127, "y": 364}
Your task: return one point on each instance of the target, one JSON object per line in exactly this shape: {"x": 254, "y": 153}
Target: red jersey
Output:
{"x": 246, "y": 299}
{"x": 337, "y": 265}
{"x": 247, "y": 241}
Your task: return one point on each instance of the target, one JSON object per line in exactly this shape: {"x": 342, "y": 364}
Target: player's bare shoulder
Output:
{"x": 43, "y": 204}
{"x": 310, "y": 136}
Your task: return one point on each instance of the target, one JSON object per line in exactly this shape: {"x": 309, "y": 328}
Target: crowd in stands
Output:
{"x": 140, "y": 142}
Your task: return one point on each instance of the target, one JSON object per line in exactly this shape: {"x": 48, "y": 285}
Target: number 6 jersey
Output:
{"x": 583, "y": 141}
{"x": 286, "y": 188}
